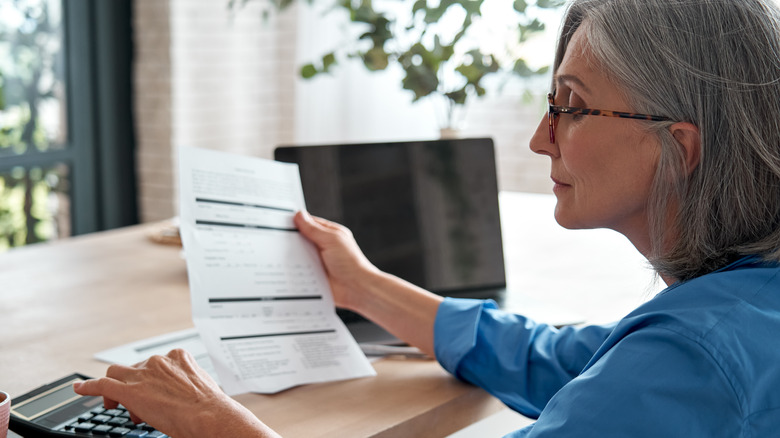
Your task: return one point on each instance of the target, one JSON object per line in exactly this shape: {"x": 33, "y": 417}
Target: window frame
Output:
{"x": 100, "y": 148}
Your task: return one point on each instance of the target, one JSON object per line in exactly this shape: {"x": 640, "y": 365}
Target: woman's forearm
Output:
{"x": 400, "y": 307}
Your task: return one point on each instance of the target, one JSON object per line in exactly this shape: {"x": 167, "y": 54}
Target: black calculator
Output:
{"x": 54, "y": 410}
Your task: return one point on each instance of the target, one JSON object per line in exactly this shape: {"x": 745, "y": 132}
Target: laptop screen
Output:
{"x": 425, "y": 211}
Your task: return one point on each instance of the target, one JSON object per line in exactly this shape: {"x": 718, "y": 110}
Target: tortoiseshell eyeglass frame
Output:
{"x": 553, "y": 111}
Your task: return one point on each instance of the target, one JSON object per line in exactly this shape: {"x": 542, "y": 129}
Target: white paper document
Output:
{"x": 138, "y": 351}
{"x": 260, "y": 298}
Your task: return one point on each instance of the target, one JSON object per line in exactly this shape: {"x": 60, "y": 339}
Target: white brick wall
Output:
{"x": 228, "y": 72}
{"x": 511, "y": 124}
{"x": 206, "y": 78}
{"x": 153, "y": 110}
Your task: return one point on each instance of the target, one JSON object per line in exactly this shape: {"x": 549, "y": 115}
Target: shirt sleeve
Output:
{"x": 653, "y": 383}
{"x": 521, "y": 362}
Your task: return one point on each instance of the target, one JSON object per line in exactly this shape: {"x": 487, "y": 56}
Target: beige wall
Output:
{"x": 511, "y": 125}
{"x": 207, "y": 79}
{"x": 153, "y": 110}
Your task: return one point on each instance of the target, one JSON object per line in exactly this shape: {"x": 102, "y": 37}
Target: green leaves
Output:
{"x": 419, "y": 5}
{"x": 308, "y": 71}
{"x": 420, "y": 80}
{"x": 527, "y": 29}
{"x": 457, "y": 96}
{"x": 426, "y": 55}
{"x": 435, "y": 14}
{"x": 474, "y": 71}
{"x": 376, "y": 59}
{"x": 549, "y": 4}
{"x": 520, "y": 5}
{"x": 521, "y": 69}
{"x": 421, "y": 67}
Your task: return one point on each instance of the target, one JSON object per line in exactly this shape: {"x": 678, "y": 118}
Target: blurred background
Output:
{"x": 96, "y": 96}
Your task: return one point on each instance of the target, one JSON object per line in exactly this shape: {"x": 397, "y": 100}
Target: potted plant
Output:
{"x": 437, "y": 60}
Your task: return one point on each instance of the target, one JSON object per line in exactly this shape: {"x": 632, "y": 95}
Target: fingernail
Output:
{"x": 76, "y": 385}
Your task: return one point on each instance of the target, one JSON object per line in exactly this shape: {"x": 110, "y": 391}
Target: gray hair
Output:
{"x": 716, "y": 64}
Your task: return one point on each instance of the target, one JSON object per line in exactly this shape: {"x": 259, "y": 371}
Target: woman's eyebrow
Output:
{"x": 564, "y": 79}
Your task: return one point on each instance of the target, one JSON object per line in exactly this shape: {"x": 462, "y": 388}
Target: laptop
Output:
{"x": 425, "y": 211}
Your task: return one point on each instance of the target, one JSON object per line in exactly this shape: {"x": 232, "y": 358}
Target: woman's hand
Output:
{"x": 402, "y": 308}
{"x": 176, "y": 396}
{"x": 347, "y": 268}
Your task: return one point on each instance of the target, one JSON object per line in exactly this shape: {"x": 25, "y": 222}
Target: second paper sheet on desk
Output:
{"x": 260, "y": 297}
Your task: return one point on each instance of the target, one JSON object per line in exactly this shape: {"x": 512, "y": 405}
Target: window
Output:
{"x": 66, "y": 143}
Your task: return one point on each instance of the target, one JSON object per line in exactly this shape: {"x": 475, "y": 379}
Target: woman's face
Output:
{"x": 602, "y": 167}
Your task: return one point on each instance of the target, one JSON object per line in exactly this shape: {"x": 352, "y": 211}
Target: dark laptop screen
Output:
{"x": 426, "y": 211}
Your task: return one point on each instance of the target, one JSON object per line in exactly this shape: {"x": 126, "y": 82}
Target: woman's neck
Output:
{"x": 640, "y": 238}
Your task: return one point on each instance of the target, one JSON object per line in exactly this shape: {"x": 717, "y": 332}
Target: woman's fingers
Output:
{"x": 110, "y": 389}
{"x": 161, "y": 391}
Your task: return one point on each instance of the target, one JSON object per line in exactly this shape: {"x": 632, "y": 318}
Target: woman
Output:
{"x": 682, "y": 156}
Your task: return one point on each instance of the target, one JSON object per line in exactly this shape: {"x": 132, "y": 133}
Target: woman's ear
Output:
{"x": 689, "y": 138}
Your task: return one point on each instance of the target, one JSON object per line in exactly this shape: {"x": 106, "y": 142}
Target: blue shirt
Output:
{"x": 701, "y": 359}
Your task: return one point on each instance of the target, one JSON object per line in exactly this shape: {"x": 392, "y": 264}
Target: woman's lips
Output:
{"x": 559, "y": 185}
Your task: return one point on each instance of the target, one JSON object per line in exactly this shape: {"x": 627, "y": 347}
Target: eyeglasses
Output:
{"x": 554, "y": 110}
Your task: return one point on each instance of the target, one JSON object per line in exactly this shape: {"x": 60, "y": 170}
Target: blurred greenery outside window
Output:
{"x": 34, "y": 196}
{"x": 67, "y": 163}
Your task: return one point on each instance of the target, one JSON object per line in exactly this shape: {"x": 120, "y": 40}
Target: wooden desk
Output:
{"x": 61, "y": 303}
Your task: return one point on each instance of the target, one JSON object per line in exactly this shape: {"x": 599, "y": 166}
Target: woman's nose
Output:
{"x": 540, "y": 141}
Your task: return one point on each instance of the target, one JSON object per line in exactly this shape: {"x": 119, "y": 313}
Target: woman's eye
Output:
{"x": 575, "y": 100}
{"x": 561, "y": 97}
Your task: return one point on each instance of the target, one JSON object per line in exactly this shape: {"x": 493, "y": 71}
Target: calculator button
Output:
{"x": 70, "y": 426}
{"x": 138, "y": 433}
{"x": 120, "y": 421}
{"x": 84, "y": 427}
{"x": 84, "y": 417}
{"x": 98, "y": 410}
{"x": 100, "y": 419}
{"x": 118, "y": 432}
{"x": 114, "y": 412}
{"x": 145, "y": 427}
{"x": 156, "y": 434}
{"x": 102, "y": 429}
